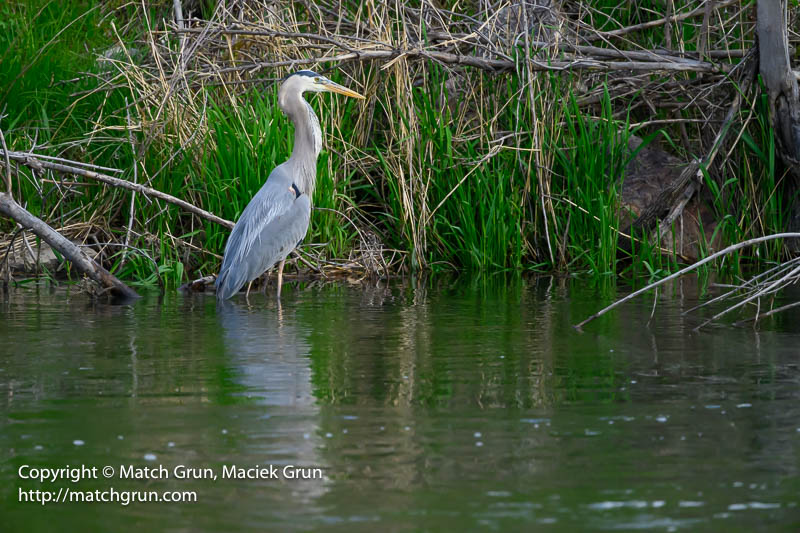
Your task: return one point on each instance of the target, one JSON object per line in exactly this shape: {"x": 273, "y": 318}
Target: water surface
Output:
{"x": 450, "y": 405}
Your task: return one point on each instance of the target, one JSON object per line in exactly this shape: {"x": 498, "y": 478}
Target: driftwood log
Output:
{"x": 67, "y": 248}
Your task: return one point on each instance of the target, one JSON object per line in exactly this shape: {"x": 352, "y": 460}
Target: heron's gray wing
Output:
{"x": 280, "y": 236}
{"x": 265, "y": 232}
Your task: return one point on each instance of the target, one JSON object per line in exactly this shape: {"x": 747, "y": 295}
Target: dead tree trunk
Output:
{"x": 784, "y": 96}
{"x": 13, "y": 210}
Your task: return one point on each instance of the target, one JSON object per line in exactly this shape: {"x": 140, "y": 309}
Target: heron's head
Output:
{"x": 308, "y": 81}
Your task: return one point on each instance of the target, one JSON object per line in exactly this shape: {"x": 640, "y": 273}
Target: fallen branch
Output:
{"x": 67, "y": 248}
{"x": 699, "y": 10}
{"x": 729, "y": 249}
{"x": 38, "y": 164}
{"x": 751, "y": 284}
{"x": 595, "y": 51}
{"x": 756, "y": 294}
{"x": 492, "y": 65}
{"x": 19, "y": 156}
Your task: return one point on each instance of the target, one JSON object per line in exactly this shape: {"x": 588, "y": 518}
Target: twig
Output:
{"x": 768, "y": 313}
{"x": 737, "y": 288}
{"x": 681, "y": 272}
{"x": 653, "y": 23}
{"x": 653, "y": 310}
{"x": 271, "y": 33}
{"x": 5, "y": 262}
{"x": 18, "y": 155}
{"x": 135, "y": 180}
{"x": 360, "y": 234}
{"x": 772, "y": 287}
{"x": 305, "y": 261}
{"x": 677, "y": 210}
{"x": 178, "y": 9}
{"x": 492, "y": 152}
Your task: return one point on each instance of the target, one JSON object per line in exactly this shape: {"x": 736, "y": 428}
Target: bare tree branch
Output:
{"x": 116, "y": 182}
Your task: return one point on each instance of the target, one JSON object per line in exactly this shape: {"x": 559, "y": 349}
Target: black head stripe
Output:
{"x": 296, "y": 191}
{"x": 307, "y": 73}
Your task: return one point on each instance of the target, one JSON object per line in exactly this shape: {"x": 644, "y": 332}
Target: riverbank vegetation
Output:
{"x": 538, "y": 136}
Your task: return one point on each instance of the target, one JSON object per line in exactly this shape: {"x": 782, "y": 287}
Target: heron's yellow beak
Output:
{"x": 328, "y": 85}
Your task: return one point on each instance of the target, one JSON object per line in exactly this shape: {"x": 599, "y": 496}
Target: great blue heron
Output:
{"x": 276, "y": 219}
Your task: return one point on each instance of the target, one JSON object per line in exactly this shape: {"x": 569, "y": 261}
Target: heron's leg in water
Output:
{"x": 280, "y": 277}
{"x": 248, "y": 289}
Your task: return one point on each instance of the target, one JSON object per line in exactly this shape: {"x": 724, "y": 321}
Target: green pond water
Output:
{"x": 453, "y": 405}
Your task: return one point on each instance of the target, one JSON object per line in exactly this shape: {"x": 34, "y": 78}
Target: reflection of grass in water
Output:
{"x": 488, "y": 341}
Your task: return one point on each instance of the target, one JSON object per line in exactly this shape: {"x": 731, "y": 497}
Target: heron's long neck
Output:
{"x": 307, "y": 145}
